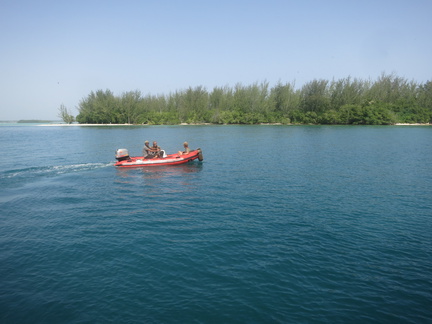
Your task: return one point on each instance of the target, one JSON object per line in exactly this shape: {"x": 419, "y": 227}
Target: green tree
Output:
{"x": 315, "y": 96}
{"x": 284, "y": 98}
{"x": 129, "y": 106}
{"x": 390, "y": 88}
{"x": 425, "y": 95}
{"x": 196, "y": 101}
{"x": 65, "y": 115}
{"x": 100, "y": 107}
{"x": 347, "y": 92}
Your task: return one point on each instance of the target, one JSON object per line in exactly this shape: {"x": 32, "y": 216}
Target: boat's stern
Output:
{"x": 121, "y": 154}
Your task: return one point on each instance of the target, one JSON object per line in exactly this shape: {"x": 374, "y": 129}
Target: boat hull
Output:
{"x": 172, "y": 159}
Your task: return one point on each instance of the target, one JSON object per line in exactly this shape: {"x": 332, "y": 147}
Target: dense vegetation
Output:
{"x": 388, "y": 100}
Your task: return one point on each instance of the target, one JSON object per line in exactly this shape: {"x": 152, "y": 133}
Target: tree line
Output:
{"x": 349, "y": 101}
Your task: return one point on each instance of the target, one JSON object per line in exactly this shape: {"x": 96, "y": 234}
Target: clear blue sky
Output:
{"x": 57, "y": 52}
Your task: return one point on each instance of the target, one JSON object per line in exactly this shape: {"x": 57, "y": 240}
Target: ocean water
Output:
{"x": 278, "y": 224}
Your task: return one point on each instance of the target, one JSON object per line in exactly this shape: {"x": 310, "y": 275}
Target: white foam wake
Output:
{"x": 53, "y": 170}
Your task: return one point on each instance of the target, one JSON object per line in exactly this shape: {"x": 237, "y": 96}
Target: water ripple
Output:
{"x": 329, "y": 235}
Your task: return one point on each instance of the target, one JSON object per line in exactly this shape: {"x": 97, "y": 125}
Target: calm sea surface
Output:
{"x": 279, "y": 224}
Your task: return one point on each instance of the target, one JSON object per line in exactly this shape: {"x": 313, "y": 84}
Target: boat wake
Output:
{"x": 52, "y": 170}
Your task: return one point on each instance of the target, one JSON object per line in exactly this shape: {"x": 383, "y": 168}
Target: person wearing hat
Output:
{"x": 147, "y": 152}
{"x": 186, "y": 149}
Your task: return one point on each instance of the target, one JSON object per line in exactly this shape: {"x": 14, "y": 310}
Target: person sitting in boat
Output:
{"x": 147, "y": 153}
{"x": 186, "y": 149}
{"x": 157, "y": 151}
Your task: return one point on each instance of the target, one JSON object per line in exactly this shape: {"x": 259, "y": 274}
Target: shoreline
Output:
{"x": 108, "y": 125}
{"x": 414, "y": 124}
{"x": 204, "y": 124}
{"x": 74, "y": 125}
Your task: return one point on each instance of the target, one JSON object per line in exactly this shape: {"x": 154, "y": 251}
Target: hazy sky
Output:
{"x": 57, "y": 52}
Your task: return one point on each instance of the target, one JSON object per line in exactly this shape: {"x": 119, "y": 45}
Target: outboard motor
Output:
{"x": 122, "y": 154}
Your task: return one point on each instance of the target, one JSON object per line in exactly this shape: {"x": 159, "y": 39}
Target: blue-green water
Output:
{"x": 279, "y": 224}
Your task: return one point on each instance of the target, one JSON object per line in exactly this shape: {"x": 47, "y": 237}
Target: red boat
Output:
{"x": 126, "y": 161}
